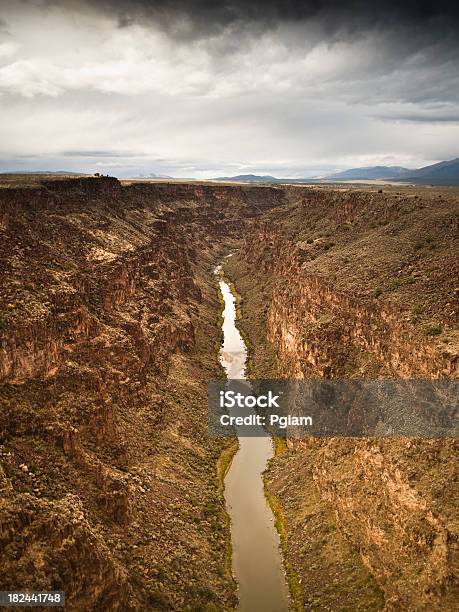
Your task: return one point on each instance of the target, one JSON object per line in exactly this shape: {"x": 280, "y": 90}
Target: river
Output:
{"x": 256, "y": 556}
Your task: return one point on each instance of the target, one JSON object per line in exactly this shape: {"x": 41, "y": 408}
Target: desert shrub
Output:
{"x": 427, "y": 242}
{"x": 433, "y": 329}
{"x": 417, "y": 310}
{"x": 396, "y": 283}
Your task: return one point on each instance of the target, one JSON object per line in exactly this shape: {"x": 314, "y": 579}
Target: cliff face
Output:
{"x": 89, "y": 245}
{"x": 107, "y": 340}
{"x": 317, "y": 329}
{"x": 393, "y": 502}
{"x": 362, "y": 285}
{"x": 361, "y": 282}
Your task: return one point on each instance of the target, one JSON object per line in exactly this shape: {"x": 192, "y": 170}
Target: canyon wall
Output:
{"x": 108, "y": 335}
{"x": 361, "y": 284}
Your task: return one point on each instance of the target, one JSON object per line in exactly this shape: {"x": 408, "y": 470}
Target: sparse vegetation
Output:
{"x": 433, "y": 329}
{"x": 3, "y": 322}
{"x": 294, "y": 583}
{"x": 224, "y": 462}
{"x": 425, "y": 242}
{"x": 418, "y": 309}
{"x": 416, "y": 312}
{"x": 175, "y": 473}
{"x": 398, "y": 282}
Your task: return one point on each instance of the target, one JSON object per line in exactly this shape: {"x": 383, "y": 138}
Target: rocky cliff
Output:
{"x": 108, "y": 335}
{"x": 360, "y": 285}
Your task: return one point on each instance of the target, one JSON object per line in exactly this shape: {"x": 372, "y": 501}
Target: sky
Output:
{"x": 201, "y": 89}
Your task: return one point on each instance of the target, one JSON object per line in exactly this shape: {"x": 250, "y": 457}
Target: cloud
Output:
{"x": 428, "y": 116}
{"x": 8, "y": 49}
{"x": 102, "y": 153}
{"x": 204, "y": 18}
{"x": 378, "y": 66}
{"x": 196, "y": 87}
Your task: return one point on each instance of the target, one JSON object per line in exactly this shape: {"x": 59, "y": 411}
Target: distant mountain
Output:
{"x": 254, "y": 178}
{"x": 249, "y": 178}
{"x": 50, "y": 172}
{"x": 371, "y": 172}
{"x": 443, "y": 173}
{"x": 153, "y": 175}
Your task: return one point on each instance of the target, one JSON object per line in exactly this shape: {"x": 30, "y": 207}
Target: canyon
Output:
{"x": 111, "y": 489}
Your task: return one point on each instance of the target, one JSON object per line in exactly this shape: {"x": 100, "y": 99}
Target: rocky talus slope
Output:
{"x": 108, "y": 335}
{"x": 360, "y": 284}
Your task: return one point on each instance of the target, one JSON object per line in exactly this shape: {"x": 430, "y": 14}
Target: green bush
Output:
{"x": 417, "y": 310}
{"x": 433, "y": 329}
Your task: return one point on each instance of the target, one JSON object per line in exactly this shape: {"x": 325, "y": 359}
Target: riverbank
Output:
{"x": 320, "y": 565}
{"x": 256, "y": 556}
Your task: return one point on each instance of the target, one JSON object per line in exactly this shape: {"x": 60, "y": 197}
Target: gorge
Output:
{"x": 110, "y": 328}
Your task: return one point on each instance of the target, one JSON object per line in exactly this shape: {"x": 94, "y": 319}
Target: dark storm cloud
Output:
{"x": 432, "y": 117}
{"x": 208, "y": 16}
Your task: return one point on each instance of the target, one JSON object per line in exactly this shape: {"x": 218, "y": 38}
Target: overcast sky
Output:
{"x": 201, "y": 88}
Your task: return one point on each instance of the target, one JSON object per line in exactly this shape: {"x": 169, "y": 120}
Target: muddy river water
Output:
{"x": 257, "y": 561}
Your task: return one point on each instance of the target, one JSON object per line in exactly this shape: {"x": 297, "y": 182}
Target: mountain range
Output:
{"x": 372, "y": 172}
{"x": 443, "y": 173}
{"x": 152, "y": 175}
{"x": 255, "y": 178}
{"x": 249, "y": 178}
